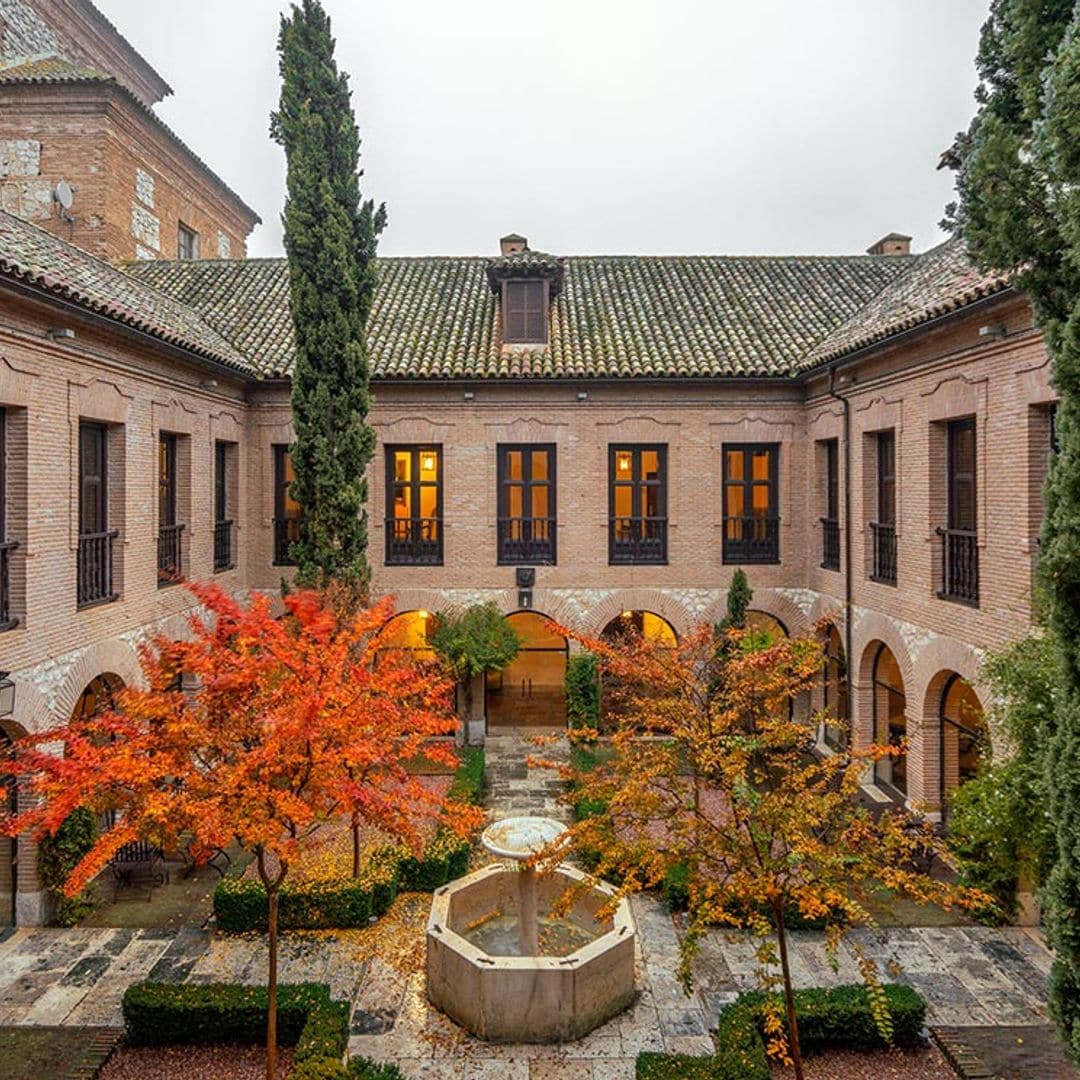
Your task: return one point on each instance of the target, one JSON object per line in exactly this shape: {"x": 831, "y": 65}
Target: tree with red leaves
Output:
{"x": 293, "y": 721}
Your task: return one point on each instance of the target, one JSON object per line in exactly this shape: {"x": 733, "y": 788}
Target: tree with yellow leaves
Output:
{"x": 707, "y": 774}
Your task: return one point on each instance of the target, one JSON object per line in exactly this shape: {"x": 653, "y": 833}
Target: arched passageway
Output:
{"x": 9, "y": 845}
{"x": 98, "y": 696}
{"x": 646, "y": 624}
{"x": 761, "y": 622}
{"x": 890, "y": 717}
{"x": 962, "y": 736}
{"x": 531, "y": 691}
{"x": 410, "y": 630}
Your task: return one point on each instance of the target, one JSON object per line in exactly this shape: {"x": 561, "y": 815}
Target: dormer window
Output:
{"x": 525, "y": 311}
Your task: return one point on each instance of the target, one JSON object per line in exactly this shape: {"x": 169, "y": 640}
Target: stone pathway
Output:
{"x": 970, "y": 976}
{"x": 513, "y": 786}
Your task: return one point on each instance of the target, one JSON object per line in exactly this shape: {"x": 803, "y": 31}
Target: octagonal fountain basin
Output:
{"x": 582, "y": 976}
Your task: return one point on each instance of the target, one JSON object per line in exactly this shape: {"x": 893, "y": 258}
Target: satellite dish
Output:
{"x": 64, "y": 194}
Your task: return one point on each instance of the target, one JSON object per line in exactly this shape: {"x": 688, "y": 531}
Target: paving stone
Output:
{"x": 88, "y": 970}
{"x": 561, "y": 1070}
{"x": 429, "y": 1069}
{"x": 676, "y": 1022}
{"x": 615, "y": 1069}
{"x": 495, "y": 1069}
{"x": 54, "y": 1006}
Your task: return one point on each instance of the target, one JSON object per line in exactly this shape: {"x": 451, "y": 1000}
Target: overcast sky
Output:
{"x": 598, "y": 126}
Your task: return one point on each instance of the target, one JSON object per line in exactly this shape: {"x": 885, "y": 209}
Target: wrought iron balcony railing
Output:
{"x": 830, "y": 544}
{"x": 169, "y": 555}
{"x": 637, "y": 540}
{"x": 223, "y": 546}
{"x": 94, "y": 566}
{"x": 286, "y": 533}
{"x": 883, "y": 556}
{"x": 414, "y": 542}
{"x": 753, "y": 539}
{"x": 7, "y": 619}
{"x": 959, "y": 565}
{"x": 527, "y": 540}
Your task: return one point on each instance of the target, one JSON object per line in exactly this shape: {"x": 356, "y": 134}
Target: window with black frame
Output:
{"x": 7, "y": 545}
{"x": 414, "y": 499}
{"x": 751, "y": 503}
{"x": 526, "y": 503}
{"x": 637, "y": 503}
{"x": 830, "y": 522}
{"x": 169, "y": 528}
{"x": 286, "y": 508}
{"x": 960, "y": 541}
{"x": 883, "y": 529}
{"x": 223, "y": 524}
{"x": 94, "y": 577}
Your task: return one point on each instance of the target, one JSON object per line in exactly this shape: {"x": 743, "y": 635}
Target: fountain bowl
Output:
{"x": 502, "y": 997}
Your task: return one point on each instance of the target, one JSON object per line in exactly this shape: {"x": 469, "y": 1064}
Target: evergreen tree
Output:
{"x": 330, "y": 239}
{"x": 1019, "y": 210}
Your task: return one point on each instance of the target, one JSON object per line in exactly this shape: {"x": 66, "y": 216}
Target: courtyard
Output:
{"x": 975, "y": 980}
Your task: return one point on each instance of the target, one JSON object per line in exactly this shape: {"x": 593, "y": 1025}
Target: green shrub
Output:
{"x": 838, "y": 1017}
{"x": 57, "y": 856}
{"x": 364, "y": 1069}
{"x": 468, "y": 782}
{"x": 583, "y": 691}
{"x": 675, "y": 888}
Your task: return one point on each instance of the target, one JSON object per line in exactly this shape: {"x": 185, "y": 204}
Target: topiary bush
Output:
{"x": 57, "y": 856}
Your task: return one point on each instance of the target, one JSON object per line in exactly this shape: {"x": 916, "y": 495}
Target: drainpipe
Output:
{"x": 848, "y": 581}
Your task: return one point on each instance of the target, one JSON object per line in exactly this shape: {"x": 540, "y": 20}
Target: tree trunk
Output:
{"x": 789, "y": 994}
{"x": 355, "y": 846}
{"x": 273, "y": 889}
{"x": 271, "y": 987}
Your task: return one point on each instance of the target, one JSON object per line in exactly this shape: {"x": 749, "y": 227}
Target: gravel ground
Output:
{"x": 224, "y": 1061}
{"x": 913, "y": 1063}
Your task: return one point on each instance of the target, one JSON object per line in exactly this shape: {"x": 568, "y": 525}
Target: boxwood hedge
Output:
{"x": 838, "y": 1017}
{"x": 345, "y": 902}
{"x": 157, "y": 1014}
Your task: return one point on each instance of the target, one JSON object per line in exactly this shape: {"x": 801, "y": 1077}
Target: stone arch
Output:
{"x": 881, "y": 713}
{"x": 670, "y": 609}
{"x": 112, "y": 656}
{"x": 416, "y": 600}
{"x": 870, "y": 626}
{"x": 926, "y": 792}
{"x": 870, "y": 633}
{"x": 772, "y": 602}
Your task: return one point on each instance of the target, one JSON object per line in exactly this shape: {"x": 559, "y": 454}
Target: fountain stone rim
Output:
{"x": 535, "y": 831}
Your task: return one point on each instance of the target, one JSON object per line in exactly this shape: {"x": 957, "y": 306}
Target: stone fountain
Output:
{"x": 504, "y": 966}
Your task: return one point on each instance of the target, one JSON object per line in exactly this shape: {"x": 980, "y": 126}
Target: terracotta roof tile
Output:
{"x": 35, "y": 257}
{"x": 935, "y": 283}
{"x": 621, "y": 316}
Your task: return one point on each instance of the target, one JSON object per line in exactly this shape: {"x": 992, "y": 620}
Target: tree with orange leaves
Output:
{"x": 291, "y": 723}
{"x": 706, "y": 773}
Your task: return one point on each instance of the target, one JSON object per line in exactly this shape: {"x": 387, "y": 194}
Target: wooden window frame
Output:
{"x": 183, "y": 231}
{"x": 735, "y": 551}
{"x": 954, "y": 430}
{"x": 527, "y": 483}
{"x": 392, "y": 558}
{"x": 615, "y": 558}
{"x": 886, "y": 480}
{"x": 167, "y": 486}
{"x": 523, "y": 338}
{"x": 281, "y": 538}
{"x": 100, "y": 434}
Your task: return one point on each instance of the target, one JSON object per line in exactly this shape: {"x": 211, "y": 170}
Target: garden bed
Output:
{"x": 223, "y": 1061}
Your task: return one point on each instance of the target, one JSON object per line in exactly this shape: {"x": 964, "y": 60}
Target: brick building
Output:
{"x": 599, "y": 440}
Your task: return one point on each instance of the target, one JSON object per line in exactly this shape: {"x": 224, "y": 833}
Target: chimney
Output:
{"x": 893, "y": 244}
{"x": 513, "y": 243}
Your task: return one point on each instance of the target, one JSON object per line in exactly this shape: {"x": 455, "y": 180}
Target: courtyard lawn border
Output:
{"x": 342, "y": 903}
{"x": 830, "y": 1018}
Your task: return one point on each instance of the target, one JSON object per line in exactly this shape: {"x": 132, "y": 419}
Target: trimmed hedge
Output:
{"x": 159, "y": 1014}
{"x": 346, "y": 902}
{"x": 834, "y": 1018}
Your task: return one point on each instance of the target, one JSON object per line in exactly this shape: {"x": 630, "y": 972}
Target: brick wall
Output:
{"x": 139, "y": 390}
{"x": 134, "y": 184}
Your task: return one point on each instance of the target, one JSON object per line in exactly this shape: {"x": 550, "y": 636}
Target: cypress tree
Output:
{"x": 1019, "y": 210}
{"x": 330, "y": 240}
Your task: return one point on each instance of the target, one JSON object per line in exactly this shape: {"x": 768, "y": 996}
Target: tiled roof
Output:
{"x": 35, "y": 257}
{"x": 934, "y": 283}
{"x": 52, "y": 69}
{"x": 56, "y": 70}
{"x": 616, "y": 316}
